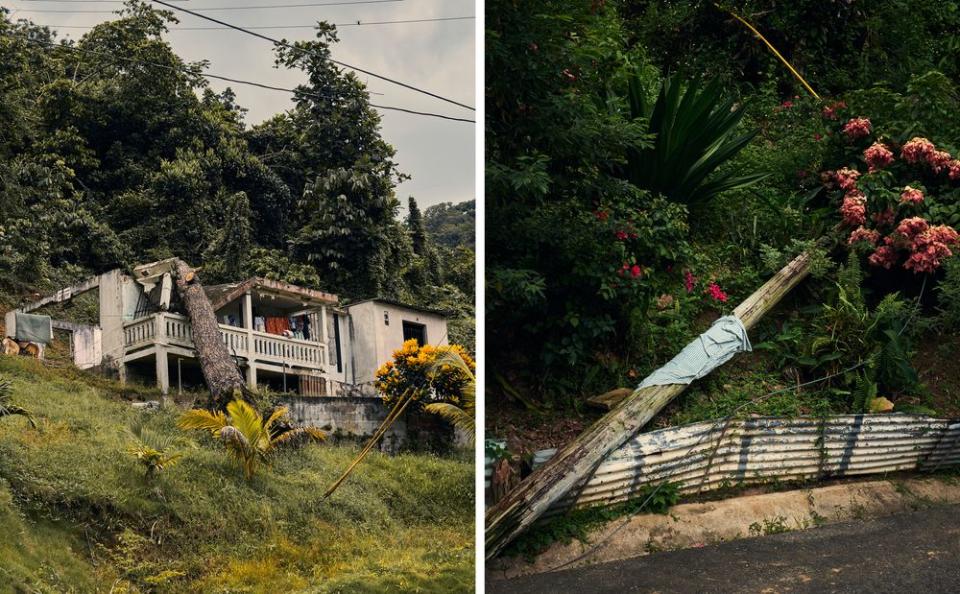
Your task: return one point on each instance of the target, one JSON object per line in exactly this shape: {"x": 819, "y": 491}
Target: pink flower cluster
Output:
{"x": 917, "y": 150}
{"x": 925, "y": 245}
{"x": 716, "y": 293}
{"x": 857, "y": 128}
{"x": 911, "y": 196}
{"x": 854, "y": 208}
{"x": 920, "y": 150}
{"x": 846, "y": 178}
{"x": 863, "y": 234}
{"x": 928, "y": 245}
{"x": 877, "y": 156}
{"x": 689, "y": 281}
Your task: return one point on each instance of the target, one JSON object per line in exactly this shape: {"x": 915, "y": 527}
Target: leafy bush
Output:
{"x": 429, "y": 373}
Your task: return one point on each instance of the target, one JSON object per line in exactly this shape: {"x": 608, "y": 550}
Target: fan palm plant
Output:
{"x": 7, "y": 408}
{"x": 696, "y": 133}
{"x": 463, "y": 417}
{"x": 152, "y": 450}
{"x": 247, "y": 436}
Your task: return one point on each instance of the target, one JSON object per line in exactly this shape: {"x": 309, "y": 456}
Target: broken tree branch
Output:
{"x": 521, "y": 507}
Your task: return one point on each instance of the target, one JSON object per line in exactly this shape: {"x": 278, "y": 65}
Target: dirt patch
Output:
{"x": 528, "y": 431}
{"x": 936, "y": 364}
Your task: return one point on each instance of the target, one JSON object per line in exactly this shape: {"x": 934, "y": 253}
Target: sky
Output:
{"x": 436, "y": 56}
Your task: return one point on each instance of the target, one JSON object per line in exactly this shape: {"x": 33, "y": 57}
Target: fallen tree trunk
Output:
{"x": 220, "y": 371}
{"x": 522, "y": 506}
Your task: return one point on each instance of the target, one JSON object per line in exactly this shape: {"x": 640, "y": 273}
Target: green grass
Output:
{"x": 81, "y": 513}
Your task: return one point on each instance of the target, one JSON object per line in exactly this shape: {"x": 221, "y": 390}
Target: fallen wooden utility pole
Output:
{"x": 523, "y": 505}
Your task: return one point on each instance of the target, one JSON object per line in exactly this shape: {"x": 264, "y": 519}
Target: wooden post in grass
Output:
{"x": 522, "y": 506}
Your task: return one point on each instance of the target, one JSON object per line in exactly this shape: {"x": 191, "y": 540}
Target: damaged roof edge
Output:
{"x": 229, "y": 292}
{"x": 420, "y": 308}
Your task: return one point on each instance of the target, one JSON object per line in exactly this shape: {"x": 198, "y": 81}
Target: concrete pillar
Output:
{"x": 248, "y": 311}
{"x": 324, "y": 339}
{"x": 252, "y": 375}
{"x": 163, "y": 371}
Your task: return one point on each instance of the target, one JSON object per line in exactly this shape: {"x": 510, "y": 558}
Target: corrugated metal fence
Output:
{"x": 713, "y": 454}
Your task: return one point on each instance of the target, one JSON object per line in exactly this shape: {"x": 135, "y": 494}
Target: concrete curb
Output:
{"x": 693, "y": 525}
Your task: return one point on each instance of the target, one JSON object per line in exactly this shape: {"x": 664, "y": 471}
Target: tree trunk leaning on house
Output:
{"x": 520, "y": 508}
{"x": 220, "y": 371}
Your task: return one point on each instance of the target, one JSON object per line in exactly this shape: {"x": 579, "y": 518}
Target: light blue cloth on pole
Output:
{"x": 725, "y": 338}
{"x": 32, "y": 328}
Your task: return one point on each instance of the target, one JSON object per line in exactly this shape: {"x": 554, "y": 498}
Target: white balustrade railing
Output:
{"x": 138, "y": 332}
{"x": 175, "y": 330}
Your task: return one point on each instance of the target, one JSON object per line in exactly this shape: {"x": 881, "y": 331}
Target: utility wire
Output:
{"x": 203, "y": 9}
{"x": 236, "y": 80}
{"x": 354, "y": 24}
{"x": 292, "y": 47}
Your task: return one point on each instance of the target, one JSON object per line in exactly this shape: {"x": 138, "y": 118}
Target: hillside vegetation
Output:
{"x": 78, "y": 515}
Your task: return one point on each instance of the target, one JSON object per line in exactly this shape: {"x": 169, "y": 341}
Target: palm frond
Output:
{"x": 457, "y": 416}
{"x": 248, "y": 421}
{"x": 206, "y": 420}
{"x": 277, "y": 415}
{"x": 312, "y": 433}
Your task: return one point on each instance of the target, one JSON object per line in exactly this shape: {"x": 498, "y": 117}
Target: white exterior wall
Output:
{"x": 373, "y": 340}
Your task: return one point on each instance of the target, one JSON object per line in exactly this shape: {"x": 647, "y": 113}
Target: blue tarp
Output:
{"x": 31, "y": 328}
{"x": 725, "y": 338}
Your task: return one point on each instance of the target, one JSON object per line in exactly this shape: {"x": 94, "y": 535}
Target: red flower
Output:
{"x": 621, "y": 235}
{"x": 601, "y": 214}
{"x": 714, "y": 290}
{"x": 689, "y": 281}
{"x": 636, "y": 271}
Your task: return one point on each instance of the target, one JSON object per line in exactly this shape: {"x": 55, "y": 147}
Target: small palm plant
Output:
{"x": 462, "y": 417}
{"x": 151, "y": 450}
{"x": 248, "y": 438}
{"x": 7, "y": 408}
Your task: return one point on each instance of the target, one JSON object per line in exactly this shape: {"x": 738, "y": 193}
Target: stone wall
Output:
{"x": 347, "y": 418}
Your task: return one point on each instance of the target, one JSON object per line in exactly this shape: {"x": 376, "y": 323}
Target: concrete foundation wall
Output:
{"x": 356, "y": 418}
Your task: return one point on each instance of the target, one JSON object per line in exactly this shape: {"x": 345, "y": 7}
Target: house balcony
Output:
{"x": 164, "y": 334}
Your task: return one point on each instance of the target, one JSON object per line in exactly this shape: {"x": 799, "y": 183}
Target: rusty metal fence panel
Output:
{"x": 709, "y": 455}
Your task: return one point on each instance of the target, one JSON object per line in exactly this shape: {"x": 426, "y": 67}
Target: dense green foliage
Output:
{"x": 77, "y": 515}
{"x": 568, "y": 313}
{"x": 116, "y": 152}
{"x": 452, "y": 225}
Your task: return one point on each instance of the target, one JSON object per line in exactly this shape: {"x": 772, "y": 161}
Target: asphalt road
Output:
{"x": 910, "y": 552}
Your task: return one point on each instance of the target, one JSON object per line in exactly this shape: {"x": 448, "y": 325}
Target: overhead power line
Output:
{"x": 233, "y": 80}
{"x": 200, "y": 8}
{"x": 339, "y": 63}
{"x": 355, "y": 24}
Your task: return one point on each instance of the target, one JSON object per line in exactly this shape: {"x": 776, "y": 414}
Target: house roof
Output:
{"x": 221, "y": 295}
{"x": 420, "y": 308}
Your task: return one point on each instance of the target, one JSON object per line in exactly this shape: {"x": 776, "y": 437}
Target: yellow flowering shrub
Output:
{"x": 409, "y": 369}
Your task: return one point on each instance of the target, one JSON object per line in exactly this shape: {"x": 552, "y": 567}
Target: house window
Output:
{"x": 414, "y": 330}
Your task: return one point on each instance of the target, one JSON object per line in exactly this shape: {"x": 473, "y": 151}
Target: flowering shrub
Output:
{"x": 409, "y": 371}
{"x": 884, "y": 216}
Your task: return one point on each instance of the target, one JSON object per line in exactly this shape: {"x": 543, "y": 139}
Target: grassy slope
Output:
{"x": 75, "y": 510}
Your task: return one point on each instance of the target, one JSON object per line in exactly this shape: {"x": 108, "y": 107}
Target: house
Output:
{"x": 284, "y": 337}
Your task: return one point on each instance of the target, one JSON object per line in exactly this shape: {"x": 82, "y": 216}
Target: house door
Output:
{"x": 414, "y": 330}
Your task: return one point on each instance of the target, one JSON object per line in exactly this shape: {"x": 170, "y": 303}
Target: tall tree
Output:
{"x": 415, "y": 223}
